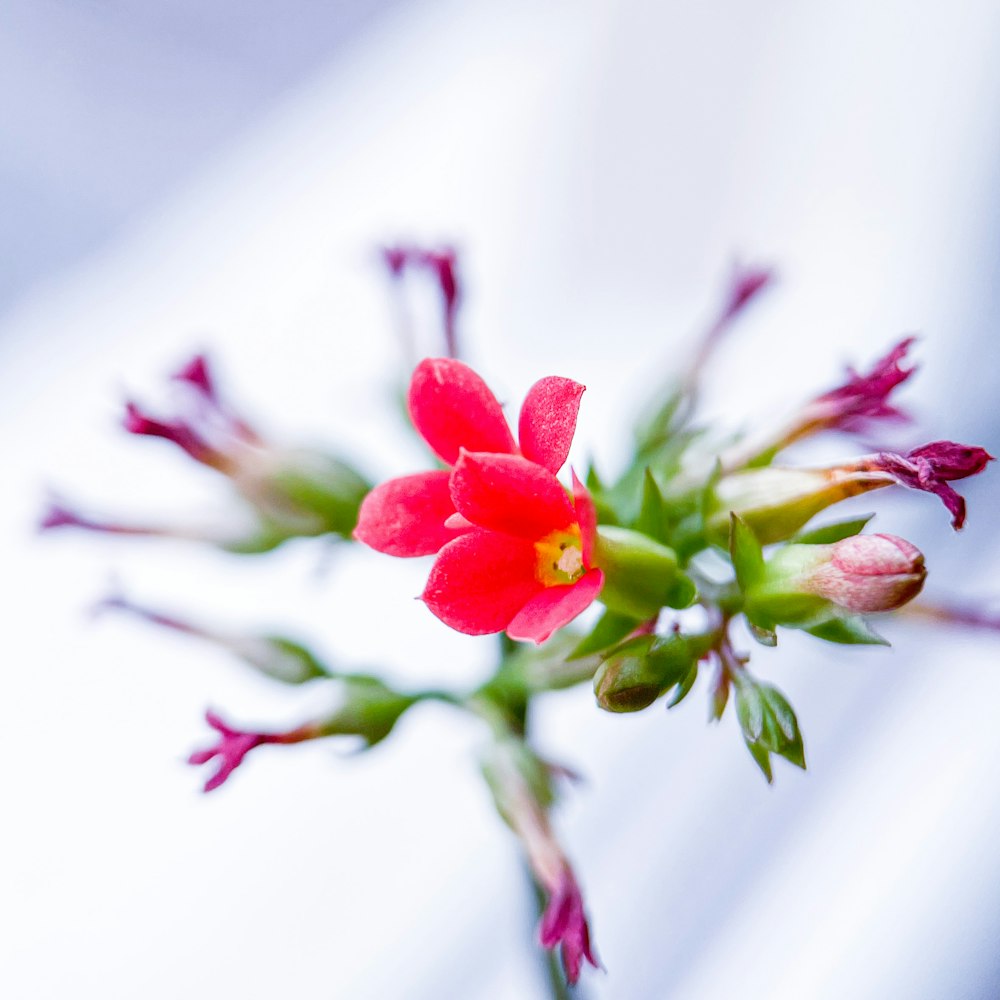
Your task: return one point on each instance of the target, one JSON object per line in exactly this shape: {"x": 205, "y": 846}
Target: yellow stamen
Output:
{"x": 560, "y": 557}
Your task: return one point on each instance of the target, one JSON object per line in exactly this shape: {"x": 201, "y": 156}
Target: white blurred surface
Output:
{"x": 599, "y": 165}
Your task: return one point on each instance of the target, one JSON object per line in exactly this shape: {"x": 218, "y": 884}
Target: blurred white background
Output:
{"x": 174, "y": 177}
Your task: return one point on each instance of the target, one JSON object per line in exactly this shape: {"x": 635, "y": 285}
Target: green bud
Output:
{"x": 643, "y": 669}
{"x": 641, "y": 576}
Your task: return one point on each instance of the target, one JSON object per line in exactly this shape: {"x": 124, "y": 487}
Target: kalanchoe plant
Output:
{"x": 521, "y": 552}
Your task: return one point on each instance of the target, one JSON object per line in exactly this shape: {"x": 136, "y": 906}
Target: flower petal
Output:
{"x": 406, "y": 516}
{"x": 509, "y": 494}
{"x": 548, "y": 421}
{"x": 480, "y": 581}
{"x": 555, "y": 607}
{"x": 453, "y": 408}
{"x": 586, "y": 515}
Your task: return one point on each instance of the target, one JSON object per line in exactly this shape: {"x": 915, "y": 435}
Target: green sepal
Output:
{"x": 322, "y": 486}
{"x": 765, "y": 636}
{"x": 611, "y": 628}
{"x": 762, "y": 758}
{"x": 369, "y": 709}
{"x": 640, "y": 574}
{"x": 293, "y": 663}
{"x": 651, "y": 520}
{"x": 849, "y": 629}
{"x": 827, "y": 534}
{"x": 684, "y": 685}
{"x": 746, "y": 553}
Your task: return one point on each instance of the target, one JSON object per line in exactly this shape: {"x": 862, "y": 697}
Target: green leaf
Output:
{"x": 852, "y": 630}
{"x": 651, "y": 520}
{"x": 828, "y": 533}
{"x": 611, "y": 628}
{"x": 746, "y": 553}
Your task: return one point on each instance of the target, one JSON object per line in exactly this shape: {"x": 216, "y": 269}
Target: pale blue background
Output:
{"x": 180, "y": 176}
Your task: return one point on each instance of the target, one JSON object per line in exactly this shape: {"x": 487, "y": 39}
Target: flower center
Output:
{"x": 560, "y": 557}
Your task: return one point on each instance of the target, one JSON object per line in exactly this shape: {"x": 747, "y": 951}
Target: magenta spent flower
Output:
{"x": 453, "y": 409}
{"x": 234, "y": 744}
{"x": 443, "y": 264}
{"x": 58, "y": 515}
{"x": 932, "y": 468}
{"x": 864, "y": 397}
{"x": 564, "y": 923}
{"x": 745, "y": 284}
{"x": 204, "y": 428}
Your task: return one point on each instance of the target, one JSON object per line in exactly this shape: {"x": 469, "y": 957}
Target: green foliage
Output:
{"x": 768, "y": 724}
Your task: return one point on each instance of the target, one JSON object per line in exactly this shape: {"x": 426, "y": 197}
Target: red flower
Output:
{"x": 453, "y": 408}
{"x": 523, "y": 561}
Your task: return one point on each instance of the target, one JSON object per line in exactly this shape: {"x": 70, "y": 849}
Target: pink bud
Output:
{"x": 868, "y": 573}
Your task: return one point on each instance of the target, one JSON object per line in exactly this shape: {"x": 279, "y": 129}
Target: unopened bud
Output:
{"x": 863, "y": 573}
{"x": 775, "y": 502}
{"x": 643, "y": 669}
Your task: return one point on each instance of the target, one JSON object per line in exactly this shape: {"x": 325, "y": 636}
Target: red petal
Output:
{"x": 555, "y": 607}
{"x": 548, "y": 421}
{"x": 452, "y": 408}
{"x": 480, "y": 581}
{"x": 406, "y": 516}
{"x": 586, "y": 516}
{"x": 508, "y": 493}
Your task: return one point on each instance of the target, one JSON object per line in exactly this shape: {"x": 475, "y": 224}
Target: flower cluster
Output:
{"x": 517, "y": 551}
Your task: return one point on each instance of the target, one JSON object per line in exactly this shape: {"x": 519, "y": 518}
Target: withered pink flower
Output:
{"x": 746, "y": 283}
{"x": 234, "y": 744}
{"x": 863, "y": 397}
{"x": 453, "y": 409}
{"x": 443, "y": 264}
{"x": 564, "y": 924}
{"x": 931, "y": 468}
{"x": 205, "y": 428}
